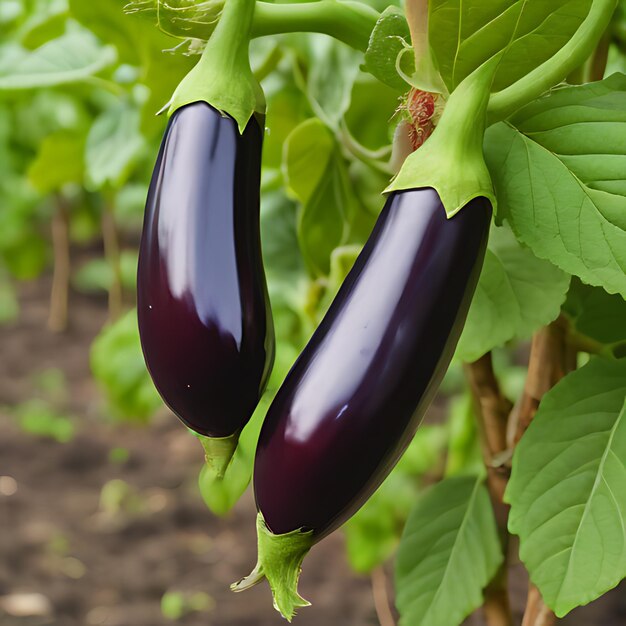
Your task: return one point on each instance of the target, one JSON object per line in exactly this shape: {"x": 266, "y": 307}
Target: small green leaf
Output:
{"x": 118, "y": 366}
{"x": 317, "y": 176}
{"x": 559, "y": 169}
{"x": 37, "y": 418}
{"x": 387, "y": 41}
{"x": 71, "y": 58}
{"x": 517, "y": 293}
{"x": 448, "y": 553}
{"x": 58, "y": 162}
{"x": 114, "y": 144}
{"x": 464, "y": 34}
{"x": 596, "y": 313}
{"x": 568, "y": 487}
{"x": 334, "y": 68}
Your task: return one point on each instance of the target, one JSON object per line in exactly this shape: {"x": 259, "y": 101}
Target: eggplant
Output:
{"x": 352, "y": 402}
{"x": 204, "y": 315}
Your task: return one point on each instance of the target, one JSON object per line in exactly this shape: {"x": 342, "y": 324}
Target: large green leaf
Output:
{"x": 114, "y": 144}
{"x": 464, "y": 34}
{"x": 448, "y": 553}
{"x": 568, "y": 487}
{"x": 559, "y": 168}
{"x": 517, "y": 293}
{"x": 72, "y": 58}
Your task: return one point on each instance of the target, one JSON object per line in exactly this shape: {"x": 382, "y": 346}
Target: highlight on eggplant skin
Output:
{"x": 353, "y": 400}
{"x": 204, "y": 315}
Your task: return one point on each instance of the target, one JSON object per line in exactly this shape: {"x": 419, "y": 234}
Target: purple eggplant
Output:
{"x": 350, "y": 405}
{"x": 204, "y": 315}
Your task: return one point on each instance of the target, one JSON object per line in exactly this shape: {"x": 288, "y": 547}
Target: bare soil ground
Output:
{"x": 111, "y": 565}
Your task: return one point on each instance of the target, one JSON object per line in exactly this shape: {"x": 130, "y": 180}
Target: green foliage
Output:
{"x": 449, "y": 552}
{"x": 517, "y": 293}
{"x": 374, "y": 532}
{"x": 463, "y": 35}
{"x": 38, "y": 418}
{"x": 596, "y": 313}
{"x": 387, "y": 42}
{"x": 71, "y": 58}
{"x": 560, "y": 176}
{"x": 97, "y": 274}
{"x": 317, "y": 177}
{"x": 568, "y": 487}
{"x": 117, "y": 364}
{"x": 113, "y": 145}
{"x": 58, "y": 162}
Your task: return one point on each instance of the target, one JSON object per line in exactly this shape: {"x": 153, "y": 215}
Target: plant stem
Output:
{"x": 381, "y": 597}
{"x": 574, "y": 53}
{"x": 350, "y": 22}
{"x": 57, "y": 318}
{"x": 492, "y": 410}
{"x": 550, "y": 360}
{"x": 112, "y": 255}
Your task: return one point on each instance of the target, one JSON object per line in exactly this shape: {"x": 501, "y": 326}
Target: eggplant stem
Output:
{"x": 218, "y": 452}
{"x": 280, "y": 562}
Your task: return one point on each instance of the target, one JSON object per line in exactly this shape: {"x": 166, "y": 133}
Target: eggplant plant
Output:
{"x": 432, "y": 198}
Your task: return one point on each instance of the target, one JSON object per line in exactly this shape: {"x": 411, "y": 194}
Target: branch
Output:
{"x": 551, "y": 358}
{"x": 57, "y": 317}
{"x": 492, "y": 409}
{"x": 381, "y": 597}
{"x": 573, "y": 54}
{"x": 112, "y": 255}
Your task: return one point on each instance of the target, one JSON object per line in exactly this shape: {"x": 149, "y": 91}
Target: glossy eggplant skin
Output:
{"x": 353, "y": 400}
{"x": 204, "y": 315}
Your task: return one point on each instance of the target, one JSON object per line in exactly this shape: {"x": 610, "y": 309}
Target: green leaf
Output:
{"x": 568, "y": 487}
{"x": 448, "y": 553}
{"x": 97, "y": 274}
{"x": 58, "y": 162}
{"x": 333, "y": 70}
{"x": 316, "y": 175}
{"x": 37, "y": 418}
{"x": 386, "y": 43}
{"x": 596, "y": 313}
{"x": 118, "y": 366}
{"x": 517, "y": 293}
{"x": 114, "y": 144}
{"x": 72, "y": 58}
{"x": 464, "y": 34}
{"x": 559, "y": 169}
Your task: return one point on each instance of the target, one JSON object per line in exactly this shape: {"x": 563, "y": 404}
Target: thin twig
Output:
{"x": 59, "y": 294}
{"x": 492, "y": 409}
{"x": 381, "y": 597}
{"x": 112, "y": 254}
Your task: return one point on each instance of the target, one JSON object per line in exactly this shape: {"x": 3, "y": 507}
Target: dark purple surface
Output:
{"x": 353, "y": 400}
{"x": 204, "y": 316}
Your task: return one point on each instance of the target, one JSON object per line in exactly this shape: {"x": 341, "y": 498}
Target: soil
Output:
{"x": 110, "y": 561}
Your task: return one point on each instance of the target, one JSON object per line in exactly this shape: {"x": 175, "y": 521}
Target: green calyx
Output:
{"x": 451, "y": 160}
{"x": 280, "y": 562}
{"x": 218, "y": 452}
{"x": 223, "y": 77}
